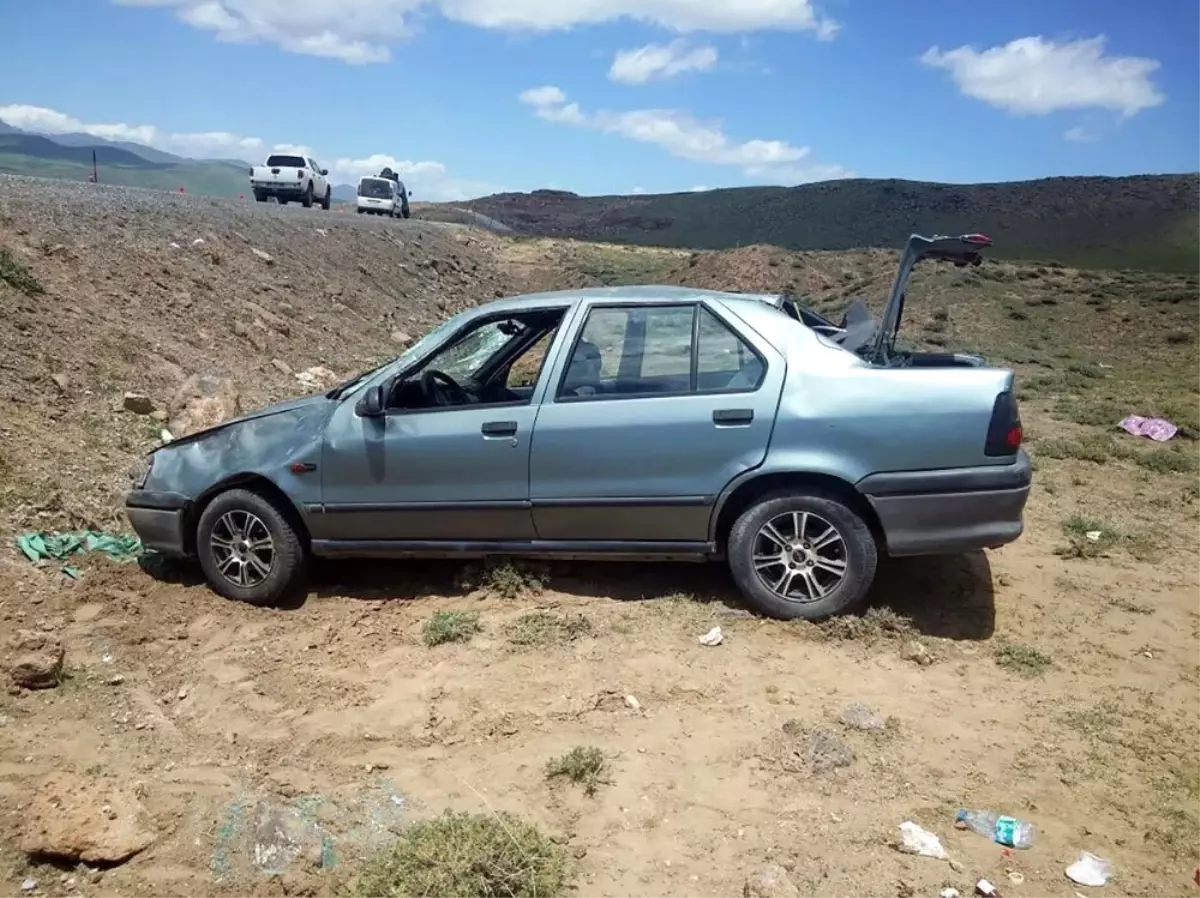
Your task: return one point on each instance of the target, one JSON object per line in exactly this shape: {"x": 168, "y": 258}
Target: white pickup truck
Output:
{"x": 287, "y": 177}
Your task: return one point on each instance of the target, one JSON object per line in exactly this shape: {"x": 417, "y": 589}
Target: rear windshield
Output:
{"x": 286, "y": 162}
{"x": 377, "y": 188}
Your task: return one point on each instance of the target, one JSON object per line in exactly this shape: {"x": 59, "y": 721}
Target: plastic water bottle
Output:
{"x": 997, "y": 827}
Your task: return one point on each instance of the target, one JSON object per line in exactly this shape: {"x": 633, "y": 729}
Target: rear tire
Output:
{"x": 249, "y": 549}
{"x": 830, "y": 570}
{"x": 307, "y": 200}
{"x": 259, "y": 196}
{"x": 282, "y": 201}
{"x": 327, "y": 201}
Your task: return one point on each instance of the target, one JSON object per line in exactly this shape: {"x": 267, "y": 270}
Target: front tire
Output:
{"x": 798, "y": 556}
{"x": 282, "y": 201}
{"x": 249, "y": 549}
{"x": 327, "y": 201}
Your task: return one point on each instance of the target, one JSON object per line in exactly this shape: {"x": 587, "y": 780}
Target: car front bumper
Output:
{"x": 157, "y": 518}
{"x": 951, "y": 510}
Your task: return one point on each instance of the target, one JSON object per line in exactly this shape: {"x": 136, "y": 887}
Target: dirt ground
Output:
{"x": 1056, "y": 679}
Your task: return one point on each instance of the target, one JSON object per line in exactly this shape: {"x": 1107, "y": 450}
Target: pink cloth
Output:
{"x": 1158, "y": 429}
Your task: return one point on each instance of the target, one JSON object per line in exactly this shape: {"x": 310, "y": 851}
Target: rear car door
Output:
{"x": 650, "y": 412}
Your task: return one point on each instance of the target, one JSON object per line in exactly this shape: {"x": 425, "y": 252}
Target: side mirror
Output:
{"x": 371, "y": 403}
{"x": 324, "y": 172}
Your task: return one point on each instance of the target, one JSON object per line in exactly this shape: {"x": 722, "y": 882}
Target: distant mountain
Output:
{"x": 90, "y": 140}
{"x": 1144, "y": 221}
{"x": 6, "y": 128}
{"x": 347, "y": 193}
{"x": 30, "y": 154}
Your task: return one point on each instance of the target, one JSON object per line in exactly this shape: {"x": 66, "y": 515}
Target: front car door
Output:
{"x": 651, "y": 411}
{"x": 453, "y": 472}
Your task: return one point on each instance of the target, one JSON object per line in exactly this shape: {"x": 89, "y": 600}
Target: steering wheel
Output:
{"x": 438, "y": 385}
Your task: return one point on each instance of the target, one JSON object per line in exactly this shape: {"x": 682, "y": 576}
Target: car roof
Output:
{"x": 641, "y": 294}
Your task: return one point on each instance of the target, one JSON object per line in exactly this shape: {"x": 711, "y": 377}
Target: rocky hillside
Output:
{"x": 1146, "y": 222}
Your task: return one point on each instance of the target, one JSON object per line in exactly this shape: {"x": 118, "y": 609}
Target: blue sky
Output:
{"x": 467, "y": 97}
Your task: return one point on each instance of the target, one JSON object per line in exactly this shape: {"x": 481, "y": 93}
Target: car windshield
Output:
{"x": 376, "y": 188}
{"x": 463, "y": 359}
{"x": 286, "y": 161}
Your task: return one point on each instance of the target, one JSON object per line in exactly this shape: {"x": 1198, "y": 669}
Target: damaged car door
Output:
{"x": 439, "y": 451}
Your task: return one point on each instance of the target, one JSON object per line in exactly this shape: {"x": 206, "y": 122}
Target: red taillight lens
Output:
{"x": 299, "y": 173}
{"x": 1004, "y": 432}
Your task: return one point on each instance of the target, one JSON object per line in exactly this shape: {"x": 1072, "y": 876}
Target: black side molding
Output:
{"x": 1017, "y": 475}
{"x": 159, "y": 501}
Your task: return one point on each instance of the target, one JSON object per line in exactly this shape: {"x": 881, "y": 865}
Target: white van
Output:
{"x": 382, "y": 196}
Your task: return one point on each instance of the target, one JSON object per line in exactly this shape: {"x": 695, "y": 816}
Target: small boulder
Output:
{"x": 916, "y": 652}
{"x": 401, "y": 339}
{"x": 203, "y": 401}
{"x": 318, "y": 377}
{"x": 138, "y": 403}
{"x": 826, "y": 751}
{"x": 859, "y": 716}
{"x": 37, "y": 661}
{"x": 266, "y": 257}
{"x": 771, "y": 881}
{"x": 281, "y": 366}
{"x": 80, "y": 818}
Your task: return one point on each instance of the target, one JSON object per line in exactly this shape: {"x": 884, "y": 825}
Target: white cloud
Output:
{"x": 1079, "y": 134}
{"x": 635, "y": 191}
{"x": 1035, "y": 76}
{"x": 699, "y": 188}
{"x": 362, "y": 31}
{"x": 429, "y": 180}
{"x": 684, "y": 137}
{"x": 658, "y": 62}
{"x": 200, "y": 144}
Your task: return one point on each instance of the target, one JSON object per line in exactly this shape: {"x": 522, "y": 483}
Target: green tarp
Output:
{"x": 41, "y": 545}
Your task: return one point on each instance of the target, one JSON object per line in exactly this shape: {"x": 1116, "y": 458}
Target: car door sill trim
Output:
{"x": 512, "y": 504}
{"x": 625, "y": 502}
{"x": 378, "y": 548}
{"x": 384, "y": 507}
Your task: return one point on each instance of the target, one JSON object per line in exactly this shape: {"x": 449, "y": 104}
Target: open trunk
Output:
{"x": 875, "y": 339}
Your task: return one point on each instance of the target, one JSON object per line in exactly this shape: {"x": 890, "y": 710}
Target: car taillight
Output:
{"x": 299, "y": 173}
{"x": 1004, "y": 433}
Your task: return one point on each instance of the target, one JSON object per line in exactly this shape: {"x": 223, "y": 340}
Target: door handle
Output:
{"x": 499, "y": 428}
{"x": 732, "y": 416}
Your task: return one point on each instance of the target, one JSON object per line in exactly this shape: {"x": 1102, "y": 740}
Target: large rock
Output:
{"x": 203, "y": 401}
{"x": 770, "y": 882}
{"x": 138, "y": 403}
{"x": 319, "y": 378}
{"x": 79, "y": 818}
{"x": 36, "y": 661}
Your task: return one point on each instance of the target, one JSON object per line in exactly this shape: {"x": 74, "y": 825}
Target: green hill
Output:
{"x": 33, "y": 155}
{"x": 1145, "y": 221}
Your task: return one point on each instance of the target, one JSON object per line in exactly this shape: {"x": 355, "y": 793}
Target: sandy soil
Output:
{"x": 1062, "y": 690}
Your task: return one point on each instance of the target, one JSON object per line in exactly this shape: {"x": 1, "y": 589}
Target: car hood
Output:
{"x": 304, "y": 403}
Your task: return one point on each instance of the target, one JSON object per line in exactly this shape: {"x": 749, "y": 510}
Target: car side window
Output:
{"x": 644, "y": 350}
{"x": 724, "y": 361}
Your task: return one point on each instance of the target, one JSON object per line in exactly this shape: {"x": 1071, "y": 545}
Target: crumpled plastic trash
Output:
{"x": 1089, "y": 870}
{"x": 713, "y": 637}
{"x": 41, "y": 545}
{"x": 915, "y": 840}
{"x": 1158, "y": 429}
